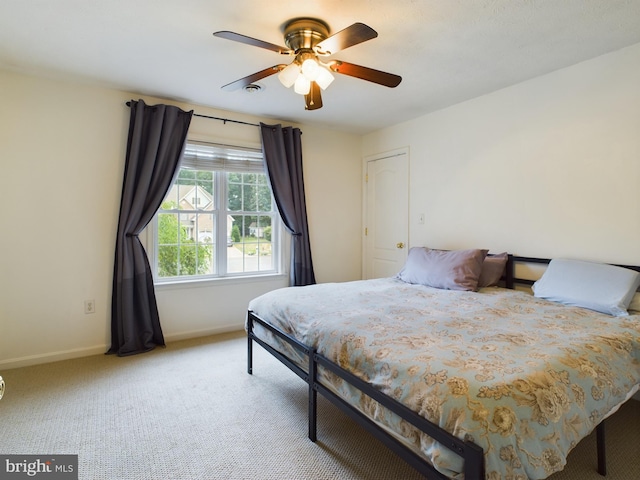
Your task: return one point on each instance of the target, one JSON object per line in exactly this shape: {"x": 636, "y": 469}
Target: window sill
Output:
{"x": 209, "y": 282}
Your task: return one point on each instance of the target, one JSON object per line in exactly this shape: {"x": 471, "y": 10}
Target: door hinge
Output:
{"x": 366, "y": 232}
{"x": 366, "y": 178}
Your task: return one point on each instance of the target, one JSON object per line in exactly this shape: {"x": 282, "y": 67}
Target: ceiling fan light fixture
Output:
{"x": 289, "y": 74}
{"x": 302, "y": 85}
{"x": 309, "y": 40}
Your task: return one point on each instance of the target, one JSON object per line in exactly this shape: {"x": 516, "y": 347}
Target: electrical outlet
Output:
{"x": 89, "y": 306}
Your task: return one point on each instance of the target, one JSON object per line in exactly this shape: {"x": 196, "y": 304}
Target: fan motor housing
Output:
{"x": 305, "y": 33}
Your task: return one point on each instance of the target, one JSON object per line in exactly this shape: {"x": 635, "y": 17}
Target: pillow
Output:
{"x": 451, "y": 270}
{"x": 492, "y": 269}
{"x": 596, "y": 286}
{"x": 634, "y": 306}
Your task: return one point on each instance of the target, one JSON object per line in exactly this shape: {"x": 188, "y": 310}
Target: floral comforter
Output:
{"x": 522, "y": 377}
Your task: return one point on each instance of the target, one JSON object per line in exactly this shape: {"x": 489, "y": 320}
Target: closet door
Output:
{"x": 386, "y": 216}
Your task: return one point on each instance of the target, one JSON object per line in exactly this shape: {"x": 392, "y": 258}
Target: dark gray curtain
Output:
{"x": 282, "y": 148}
{"x": 157, "y": 136}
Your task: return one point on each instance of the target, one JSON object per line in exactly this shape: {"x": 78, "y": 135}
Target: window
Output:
{"x": 218, "y": 218}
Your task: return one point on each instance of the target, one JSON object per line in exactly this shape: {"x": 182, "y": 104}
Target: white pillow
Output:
{"x": 634, "y": 306}
{"x": 596, "y": 286}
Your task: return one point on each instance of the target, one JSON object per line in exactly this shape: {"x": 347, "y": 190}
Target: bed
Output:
{"x": 489, "y": 382}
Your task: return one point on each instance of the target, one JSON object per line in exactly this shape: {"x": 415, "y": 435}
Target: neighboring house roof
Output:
{"x": 184, "y": 194}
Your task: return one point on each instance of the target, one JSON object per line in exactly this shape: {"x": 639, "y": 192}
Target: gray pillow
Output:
{"x": 492, "y": 269}
{"x": 451, "y": 270}
{"x": 596, "y": 286}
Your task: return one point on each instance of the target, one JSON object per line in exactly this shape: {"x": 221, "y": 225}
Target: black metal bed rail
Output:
{"x": 307, "y": 376}
{"x": 301, "y": 347}
{"x": 471, "y": 453}
{"x": 516, "y": 259}
{"x": 519, "y": 259}
{"x": 545, "y": 261}
{"x": 379, "y": 433}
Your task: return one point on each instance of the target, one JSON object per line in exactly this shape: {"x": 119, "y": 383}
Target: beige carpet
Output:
{"x": 191, "y": 411}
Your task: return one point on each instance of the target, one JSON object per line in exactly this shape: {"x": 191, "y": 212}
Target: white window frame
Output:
{"x": 222, "y": 159}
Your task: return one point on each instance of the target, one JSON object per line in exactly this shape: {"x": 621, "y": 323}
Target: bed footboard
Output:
{"x": 294, "y": 367}
{"x": 471, "y": 453}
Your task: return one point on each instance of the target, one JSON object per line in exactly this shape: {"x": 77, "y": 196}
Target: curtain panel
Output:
{"x": 157, "y": 136}
{"x": 282, "y": 149}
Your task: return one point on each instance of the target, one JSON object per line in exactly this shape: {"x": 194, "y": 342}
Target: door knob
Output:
{"x": 399, "y": 245}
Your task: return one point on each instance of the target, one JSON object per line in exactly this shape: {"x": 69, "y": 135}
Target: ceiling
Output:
{"x": 447, "y": 51}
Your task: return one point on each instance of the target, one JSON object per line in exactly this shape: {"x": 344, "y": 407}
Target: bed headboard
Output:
{"x": 511, "y": 279}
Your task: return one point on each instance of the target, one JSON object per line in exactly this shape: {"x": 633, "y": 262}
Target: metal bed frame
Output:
{"x": 471, "y": 453}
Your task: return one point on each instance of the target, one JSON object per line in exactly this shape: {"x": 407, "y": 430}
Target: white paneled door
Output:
{"x": 386, "y": 214}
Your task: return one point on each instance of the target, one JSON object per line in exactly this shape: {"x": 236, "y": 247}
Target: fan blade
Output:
{"x": 313, "y": 100}
{"x": 365, "y": 73}
{"x": 350, "y": 36}
{"x": 237, "y": 37}
{"x": 243, "y": 82}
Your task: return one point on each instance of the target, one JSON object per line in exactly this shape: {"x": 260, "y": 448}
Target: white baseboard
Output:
{"x": 52, "y": 357}
{"x": 174, "y": 337}
{"x": 101, "y": 349}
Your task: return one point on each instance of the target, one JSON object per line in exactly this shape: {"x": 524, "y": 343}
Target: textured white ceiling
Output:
{"x": 447, "y": 51}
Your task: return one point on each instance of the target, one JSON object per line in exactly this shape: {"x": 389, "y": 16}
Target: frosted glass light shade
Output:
{"x": 310, "y": 69}
{"x": 324, "y": 78}
{"x": 289, "y": 74}
{"x": 302, "y": 85}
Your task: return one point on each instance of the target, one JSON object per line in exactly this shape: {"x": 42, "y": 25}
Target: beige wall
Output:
{"x": 66, "y": 142}
{"x": 549, "y": 167}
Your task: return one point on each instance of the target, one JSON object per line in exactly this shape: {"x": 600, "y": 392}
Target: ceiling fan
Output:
{"x": 309, "y": 42}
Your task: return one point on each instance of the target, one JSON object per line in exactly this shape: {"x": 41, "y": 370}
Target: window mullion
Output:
{"x": 221, "y": 217}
